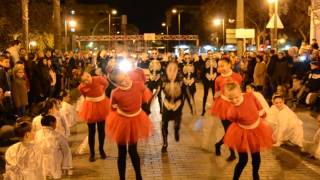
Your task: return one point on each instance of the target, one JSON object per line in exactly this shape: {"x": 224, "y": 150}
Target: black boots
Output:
{"x": 165, "y": 143}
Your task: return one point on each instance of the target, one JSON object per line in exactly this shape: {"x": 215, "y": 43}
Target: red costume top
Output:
{"x": 137, "y": 75}
{"x": 96, "y": 88}
{"x": 96, "y": 105}
{"x": 221, "y": 104}
{"x": 224, "y": 79}
{"x": 127, "y": 123}
{"x": 248, "y": 132}
{"x": 130, "y": 100}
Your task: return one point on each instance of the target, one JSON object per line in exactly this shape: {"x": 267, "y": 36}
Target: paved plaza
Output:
{"x": 193, "y": 157}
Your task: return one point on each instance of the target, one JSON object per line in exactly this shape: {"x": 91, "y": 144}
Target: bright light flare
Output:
{"x": 217, "y": 22}
{"x": 282, "y": 40}
{"x": 271, "y": 1}
{"x": 33, "y": 43}
{"x": 114, "y": 12}
{"x": 174, "y": 11}
{"x": 125, "y": 65}
{"x": 72, "y": 23}
{"x": 163, "y": 24}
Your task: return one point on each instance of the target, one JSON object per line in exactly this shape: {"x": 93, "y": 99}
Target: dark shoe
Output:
{"x": 218, "y": 150}
{"x": 92, "y": 158}
{"x": 232, "y": 157}
{"x": 103, "y": 155}
{"x": 164, "y": 148}
{"x": 203, "y": 112}
{"x": 176, "y": 136}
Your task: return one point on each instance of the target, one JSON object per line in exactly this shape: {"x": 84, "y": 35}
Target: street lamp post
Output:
{"x": 218, "y": 22}
{"x": 72, "y": 24}
{"x": 167, "y": 31}
{"x": 112, "y": 12}
{"x": 175, "y": 11}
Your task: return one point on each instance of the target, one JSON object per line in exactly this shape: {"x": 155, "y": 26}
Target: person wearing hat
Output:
{"x": 313, "y": 83}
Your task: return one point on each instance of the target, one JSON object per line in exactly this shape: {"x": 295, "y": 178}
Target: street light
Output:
{"x": 167, "y": 31}
{"x": 218, "y": 22}
{"x": 166, "y": 26}
{"x": 275, "y": 21}
{"x": 72, "y": 24}
{"x": 175, "y": 11}
{"x": 282, "y": 41}
{"x": 32, "y": 44}
{"x": 112, "y": 12}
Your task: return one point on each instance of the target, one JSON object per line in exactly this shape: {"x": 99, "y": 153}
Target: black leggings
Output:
{"x": 243, "y": 159}
{"x": 135, "y": 159}
{"x": 226, "y": 124}
{"x": 92, "y": 134}
{"x": 206, "y": 86}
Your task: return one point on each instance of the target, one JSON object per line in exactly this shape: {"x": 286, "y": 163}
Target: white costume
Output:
{"x": 313, "y": 147}
{"x": 286, "y": 125}
{"x": 55, "y": 150}
{"x": 69, "y": 112}
{"x": 262, "y": 101}
{"x": 62, "y": 126}
{"x": 36, "y": 123}
{"x": 23, "y": 162}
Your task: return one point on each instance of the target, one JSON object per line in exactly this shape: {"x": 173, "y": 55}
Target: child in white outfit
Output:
{"x": 57, "y": 158}
{"x": 313, "y": 147}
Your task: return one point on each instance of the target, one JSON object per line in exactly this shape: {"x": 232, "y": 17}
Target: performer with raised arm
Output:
{"x": 189, "y": 79}
{"x": 154, "y": 82}
{"x": 209, "y": 74}
{"x": 249, "y": 132}
{"x": 172, "y": 87}
{"x": 221, "y": 103}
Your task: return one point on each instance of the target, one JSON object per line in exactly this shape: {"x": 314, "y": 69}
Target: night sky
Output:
{"x": 147, "y": 15}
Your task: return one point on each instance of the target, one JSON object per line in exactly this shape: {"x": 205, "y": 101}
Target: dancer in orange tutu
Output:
{"x": 94, "y": 110}
{"x": 221, "y": 103}
{"x": 127, "y": 122}
{"x": 248, "y": 132}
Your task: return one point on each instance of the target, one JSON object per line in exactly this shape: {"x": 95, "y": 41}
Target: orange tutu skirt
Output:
{"x": 249, "y": 140}
{"x": 128, "y": 130}
{"x": 220, "y": 108}
{"x": 94, "y": 111}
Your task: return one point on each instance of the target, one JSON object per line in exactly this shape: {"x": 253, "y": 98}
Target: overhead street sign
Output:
{"x": 271, "y": 23}
{"x": 245, "y": 33}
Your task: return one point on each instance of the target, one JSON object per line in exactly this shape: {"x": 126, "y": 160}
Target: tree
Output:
{"x": 25, "y": 22}
{"x": 257, "y": 17}
{"x": 57, "y": 24}
{"x": 40, "y": 15}
{"x": 296, "y": 19}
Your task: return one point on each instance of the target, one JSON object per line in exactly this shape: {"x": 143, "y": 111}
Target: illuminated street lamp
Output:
{"x": 72, "y": 24}
{"x": 112, "y": 12}
{"x": 32, "y": 44}
{"x": 176, "y": 11}
{"x": 218, "y": 22}
{"x": 282, "y": 41}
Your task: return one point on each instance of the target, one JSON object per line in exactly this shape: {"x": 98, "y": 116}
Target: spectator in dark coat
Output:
{"x": 19, "y": 90}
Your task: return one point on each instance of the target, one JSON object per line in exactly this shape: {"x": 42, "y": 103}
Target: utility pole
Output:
{"x": 240, "y": 24}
